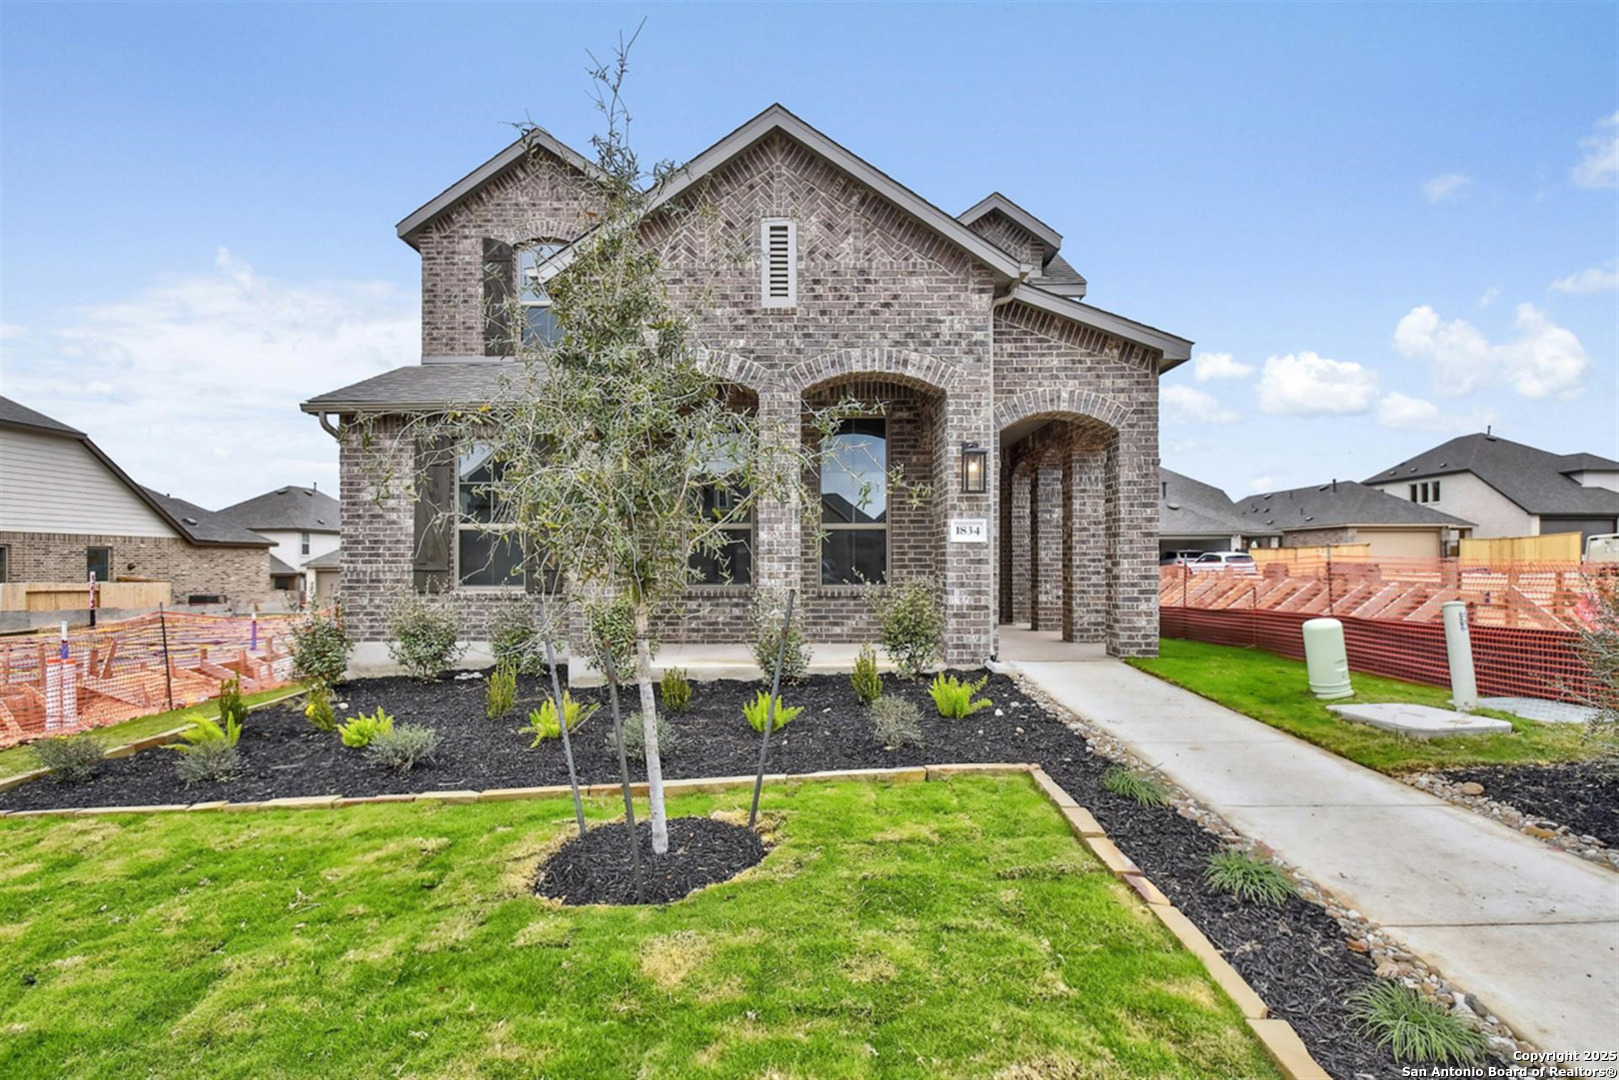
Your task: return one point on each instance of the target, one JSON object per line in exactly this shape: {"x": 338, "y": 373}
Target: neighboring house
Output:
{"x": 1033, "y": 416}
{"x": 303, "y": 522}
{"x": 67, "y": 511}
{"x": 1196, "y": 516}
{"x": 325, "y": 577}
{"x": 1510, "y": 489}
{"x": 1344, "y": 512}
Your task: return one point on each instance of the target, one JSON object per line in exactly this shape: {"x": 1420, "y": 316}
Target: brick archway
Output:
{"x": 1056, "y": 403}
{"x": 735, "y": 368}
{"x": 900, "y": 365}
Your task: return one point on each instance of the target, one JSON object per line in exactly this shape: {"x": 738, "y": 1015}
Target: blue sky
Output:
{"x": 1382, "y": 224}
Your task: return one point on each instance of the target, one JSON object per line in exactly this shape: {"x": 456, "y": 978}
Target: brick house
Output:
{"x": 814, "y": 276}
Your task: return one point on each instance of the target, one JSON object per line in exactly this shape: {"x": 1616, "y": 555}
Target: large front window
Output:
{"x": 854, "y": 504}
{"x": 539, "y": 321}
{"x": 733, "y": 563}
{"x": 485, "y": 554}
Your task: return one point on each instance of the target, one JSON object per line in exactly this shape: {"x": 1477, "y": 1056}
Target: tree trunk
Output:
{"x": 649, "y": 725}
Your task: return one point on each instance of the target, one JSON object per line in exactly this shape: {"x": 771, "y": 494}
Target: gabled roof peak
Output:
{"x": 996, "y": 201}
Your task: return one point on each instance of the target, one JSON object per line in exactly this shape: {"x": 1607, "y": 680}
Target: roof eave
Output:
{"x": 1176, "y": 350}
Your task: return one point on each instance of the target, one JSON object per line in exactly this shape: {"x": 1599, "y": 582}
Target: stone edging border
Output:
{"x": 1286, "y": 1050}
{"x": 1554, "y": 835}
{"x": 161, "y": 738}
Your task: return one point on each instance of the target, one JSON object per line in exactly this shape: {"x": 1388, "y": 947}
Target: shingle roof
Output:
{"x": 416, "y": 386}
{"x": 1190, "y": 507}
{"x": 1059, "y": 277}
{"x": 13, "y": 412}
{"x": 1536, "y": 480}
{"x": 204, "y": 526}
{"x": 331, "y": 560}
{"x": 297, "y": 508}
{"x": 1343, "y": 502}
{"x": 280, "y": 569}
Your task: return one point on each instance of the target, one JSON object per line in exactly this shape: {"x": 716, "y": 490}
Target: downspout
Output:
{"x": 330, "y": 428}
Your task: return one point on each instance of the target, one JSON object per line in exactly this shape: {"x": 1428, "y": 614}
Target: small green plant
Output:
{"x": 1413, "y": 1027}
{"x": 207, "y": 750}
{"x": 910, "y": 625}
{"x": 954, "y": 698}
{"x": 404, "y": 747}
{"x": 422, "y": 636}
{"x": 359, "y": 732}
{"x": 635, "y": 738}
{"x": 896, "y": 722}
{"x": 320, "y": 647}
{"x": 544, "y": 719}
{"x": 502, "y": 690}
{"x": 1135, "y": 787}
{"x": 867, "y": 683}
{"x": 610, "y": 631}
{"x": 515, "y": 639}
{"x": 764, "y": 638}
{"x": 676, "y": 690}
{"x": 757, "y": 710}
{"x": 318, "y": 708}
{"x": 231, "y": 705}
{"x": 72, "y": 759}
{"x": 1251, "y": 880}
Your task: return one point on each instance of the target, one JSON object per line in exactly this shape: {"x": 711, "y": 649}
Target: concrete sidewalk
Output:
{"x": 1532, "y": 931}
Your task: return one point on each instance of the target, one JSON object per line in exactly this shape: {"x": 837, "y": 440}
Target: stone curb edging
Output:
{"x": 1286, "y": 1050}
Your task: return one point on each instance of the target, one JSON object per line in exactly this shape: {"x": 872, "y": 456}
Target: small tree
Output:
{"x": 1599, "y": 648}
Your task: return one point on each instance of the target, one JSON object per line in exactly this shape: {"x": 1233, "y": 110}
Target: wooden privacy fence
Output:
{"x": 50, "y": 685}
{"x": 1554, "y": 547}
{"x": 75, "y": 595}
{"x": 1524, "y": 617}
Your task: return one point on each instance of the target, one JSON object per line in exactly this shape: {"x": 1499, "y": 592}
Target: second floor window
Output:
{"x": 539, "y": 321}
{"x": 303, "y": 543}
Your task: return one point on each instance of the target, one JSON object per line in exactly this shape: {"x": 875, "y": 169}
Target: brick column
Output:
{"x": 1132, "y": 527}
{"x": 969, "y": 569}
{"x": 1018, "y": 538}
{"x": 1046, "y": 557}
{"x": 778, "y": 524}
{"x": 376, "y": 477}
{"x": 1084, "y": 533}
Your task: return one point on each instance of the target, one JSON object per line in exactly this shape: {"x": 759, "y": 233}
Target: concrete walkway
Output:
{"x": 1532, "y": 931}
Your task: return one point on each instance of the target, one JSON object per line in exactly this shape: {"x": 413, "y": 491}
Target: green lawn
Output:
{"x": 1276, "y": 690}
{"x": 911, "y": 930}
{"x": 20, "y": 759}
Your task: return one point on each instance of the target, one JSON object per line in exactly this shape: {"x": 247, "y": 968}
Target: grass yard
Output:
{"x": 910, "y": 930}
{"x": 1276, "y": 691}
{"x": 19, "y": 759}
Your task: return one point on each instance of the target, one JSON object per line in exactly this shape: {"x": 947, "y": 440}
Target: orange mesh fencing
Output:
{"x": 118, "y": 671}
{"x": 1524, "y": 618}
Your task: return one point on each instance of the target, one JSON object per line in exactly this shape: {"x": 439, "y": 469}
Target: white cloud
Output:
{"x": 1598, "y": 166}
{"x": 1397, "y": 410}
{"x": 192, "y": 383}
{"x": 1544, "y": 360}
{"x": 1258, "y": 485}
{"x": 1190, "y": 405}
{"x": 1490, "y": 296}
{"x": 1594, "y": 279}
{"x": 1304, "y": 384}
{"x": 1219, "y": 365}
{"x": 1446, "y": 186}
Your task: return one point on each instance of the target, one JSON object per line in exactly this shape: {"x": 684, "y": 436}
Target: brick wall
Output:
{"x": 240, "y": 575}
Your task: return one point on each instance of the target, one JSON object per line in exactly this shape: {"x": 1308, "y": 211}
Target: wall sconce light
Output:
{"x": 974, "y": 469}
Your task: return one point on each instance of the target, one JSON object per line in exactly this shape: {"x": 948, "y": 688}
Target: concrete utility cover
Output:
{"x": 1549, "y": 712}
{"x": 1420, "y": 721}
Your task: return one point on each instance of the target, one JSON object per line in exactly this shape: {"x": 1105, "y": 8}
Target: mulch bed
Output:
{"x": 596, "y": 868}
{"x": 1583, "y": 795}
{"x": 1294, "y": 955}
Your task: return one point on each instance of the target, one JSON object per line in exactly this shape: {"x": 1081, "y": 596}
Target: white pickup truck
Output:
{"x": 1603, "y": 548}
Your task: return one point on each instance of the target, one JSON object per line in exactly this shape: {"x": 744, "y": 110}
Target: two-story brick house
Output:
{"x": 812, "y": 276}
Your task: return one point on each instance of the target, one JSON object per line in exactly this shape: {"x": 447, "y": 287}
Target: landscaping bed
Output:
{"x": 1584, "y": 796}
{"x": 1294, "y": 955}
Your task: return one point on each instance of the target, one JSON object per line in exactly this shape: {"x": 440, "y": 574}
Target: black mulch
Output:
{"x": 596, "y": 869}
{"x": 1583, "y": 795}
{"x": 1295, "y": 956}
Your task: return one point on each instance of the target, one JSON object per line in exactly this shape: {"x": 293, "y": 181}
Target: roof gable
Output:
{"x": 1189, "y": 507}
{"x": 995, "y": 201}
{"x": 1535, "y": 480}
{"x": 299, "y": 509}
{"x": 1341, "y": 502}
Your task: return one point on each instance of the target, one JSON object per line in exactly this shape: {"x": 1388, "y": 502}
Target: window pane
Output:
{"x": 731, "y": 566}
{"x": 720, "y": 502}
{"x": 854, "y": 474}
{"x": 476, "y": 473}
{"x": 540, "y": 326}
{"x": 97, "y": 561}
{"x": 488, "y": 559}
{"x": 854, "y": 557}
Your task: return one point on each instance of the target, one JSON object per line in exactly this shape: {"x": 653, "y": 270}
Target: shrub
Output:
{"x": 231, "y": 705}
{"x": 867, "y": 683}
{"x": 1413, "y": 1027}
{"x": 208, "y": 751}
{"x": 422, "y": 636}
{"x": 72, "y": 759}
{"x": 896, "y": 722}
{"x": 502, "y": 690}
{"x": 635, "y": 738}
{"x": 1249, "y": 879}
{"x": 910, "y": 625}
{"x": 1135, "y": 787}
{"x": 757, "y": 712}
{"x": 359, "y": 732}
{"x": 954, "y": 698}
{"x": 764, "y": 638}
{"x": 676, "y": 690}
{"x": 515, "y": 639}
{"x": 610, "y": 630}
{"x": 318, "y": 708}
{"x": 544, "y": 719}
{"x": 320, "y": 648}
{"x": 404, "y": 747}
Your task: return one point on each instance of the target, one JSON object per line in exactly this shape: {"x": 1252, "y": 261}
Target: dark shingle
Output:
{"x": 294, "y": 508}
{"x": 1190, "y": 507}
{"x": 204, "y": 526}
{"x": 12, "y": 412}
{"x": 1342, "y": 502}
{"x": 1537, "y": 481}
{"x": 417, "y": 386}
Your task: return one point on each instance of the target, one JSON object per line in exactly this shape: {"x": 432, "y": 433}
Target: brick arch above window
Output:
{"x": 736, "y": 369}
{"x": 901, "y": 365}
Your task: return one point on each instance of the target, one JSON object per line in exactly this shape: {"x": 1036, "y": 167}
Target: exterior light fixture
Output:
{"x": 974, "y": 469}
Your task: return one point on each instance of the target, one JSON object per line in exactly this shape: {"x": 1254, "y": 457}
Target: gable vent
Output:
{"x": 778, "y": 241}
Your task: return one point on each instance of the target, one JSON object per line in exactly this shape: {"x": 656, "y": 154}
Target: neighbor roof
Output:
{"x": 1192, "y": 508}
{"x": 279, "y": 568}
{"x": 1341, "y": 502}
{"x": 331, "y": 560}
{"x": 1536, "y": 480}
{"x": 19, "y": 415}
{"x": 302, "y": 509}
{"x": 204, "y": 526}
